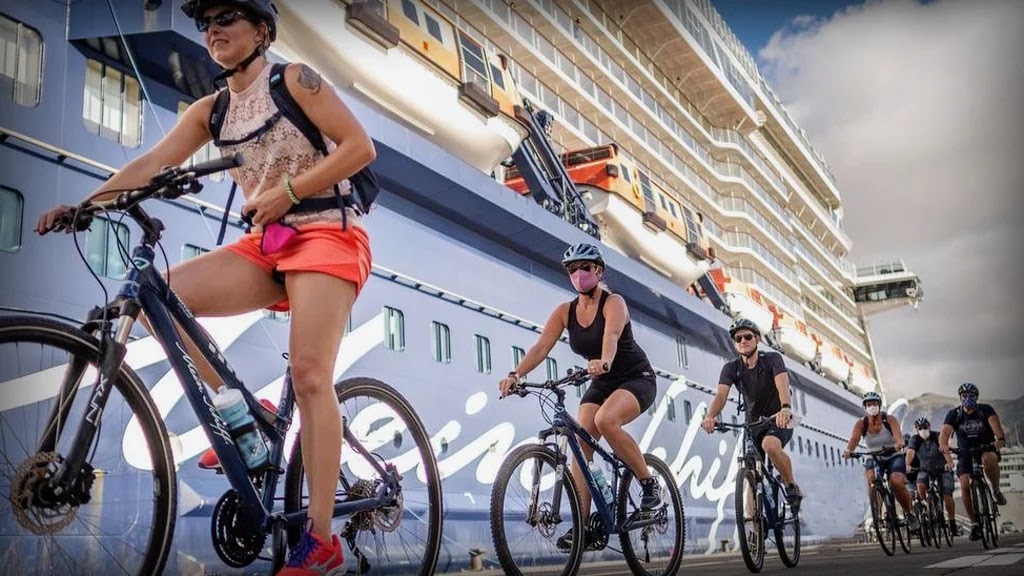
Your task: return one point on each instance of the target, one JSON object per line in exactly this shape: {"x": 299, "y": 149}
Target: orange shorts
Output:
{"x": 324, "y": 248}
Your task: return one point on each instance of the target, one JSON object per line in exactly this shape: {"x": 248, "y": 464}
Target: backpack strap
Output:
{"x": 220, "y": 110}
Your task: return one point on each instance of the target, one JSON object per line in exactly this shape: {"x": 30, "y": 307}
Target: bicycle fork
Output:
{"x": 534, "y": 515}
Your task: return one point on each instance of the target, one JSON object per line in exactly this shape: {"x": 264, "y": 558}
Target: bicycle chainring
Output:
{"x": 598, "y": 538}
{"x": 234, "y": 540}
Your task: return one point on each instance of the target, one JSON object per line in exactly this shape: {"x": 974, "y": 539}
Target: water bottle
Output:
{"x": 232, "y": 408}
{"x": 602, "y": 484}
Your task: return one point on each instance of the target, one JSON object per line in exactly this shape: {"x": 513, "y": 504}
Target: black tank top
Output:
{"x": 630, "y": 360}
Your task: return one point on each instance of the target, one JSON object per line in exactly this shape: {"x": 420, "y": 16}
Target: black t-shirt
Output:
{"x": 927, "y": 452}
{"x": 972, "y": 429}
{"x": 757, "y": 384}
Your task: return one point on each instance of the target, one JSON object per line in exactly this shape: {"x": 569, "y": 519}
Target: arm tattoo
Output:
{"x": 309, "y": 79}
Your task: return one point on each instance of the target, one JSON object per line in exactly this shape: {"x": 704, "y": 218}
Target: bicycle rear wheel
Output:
{"x": 750, "y": 525}
{"x": 404, "y": 538}
{"x": 937, "y": 513}
{"x": 883, "y": 519}
{"x": 119, "y": 516}
{"x": 787, "y": 530}
{"x": 986, "y": 515}
{"x": 660, "y": 544}
{"x": 526, "y": 525}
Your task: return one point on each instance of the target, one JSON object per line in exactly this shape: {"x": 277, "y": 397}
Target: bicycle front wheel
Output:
{"x": 404, "y": 538}
{"x": 883, "y": 519}
{"x": 118, "y": 518}
{"x": 657, "y": 548}
{"x": 750, "y": 524}
{"x": 787, "y": 530}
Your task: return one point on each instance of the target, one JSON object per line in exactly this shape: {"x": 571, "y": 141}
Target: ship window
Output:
{"x": 106, "y": 248}
{"x": 112, "y": 107}
{"x": 691, "y": 225}
{"x": 280, "y": 316}
{"x": 442, "y": 342}
{"x": 682, "y": 356}
{"x": 799, "y": 445}
{"x": 394, "y": 329}
{"x": 209, "y": 151}
{"x": 474, "y": 67}
{"x": 517, "y": 356}
{"x": 496, "y": 77}
{"x": 190, "y": 251}
{"x": 671, "y": 409}
{"x": 409, "y": 9}
{"x": 12, "y": 207}
{"x": 687, "y": 410}
{"x": 21, "y": 62}
{"x": 551, "y": 365}
{"x": 434, "y": 28}
{"x": 672, "y": 209}
{"x": 817, "y": 450}
{"x": 625, "y": 173}
{"x": 483, "y": 354}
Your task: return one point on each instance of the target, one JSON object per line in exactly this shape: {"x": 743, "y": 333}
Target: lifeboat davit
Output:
{"x": 832, "y": 361}
{"x": 744, "y": 300}
{"x": 427, "y": 73}
{"x": 793, "y": 337}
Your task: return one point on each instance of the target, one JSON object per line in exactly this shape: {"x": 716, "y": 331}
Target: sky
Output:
{"x": 917, "y": 109}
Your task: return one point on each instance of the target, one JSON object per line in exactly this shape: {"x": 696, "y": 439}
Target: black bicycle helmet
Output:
{"x": 968, "y": 388}
{"x": 261, "y": 10}
{"x": 743, "y": 324}
{"x": 921, "y": 423}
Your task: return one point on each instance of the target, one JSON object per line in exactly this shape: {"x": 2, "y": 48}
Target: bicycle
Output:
{"x": 937, "y": 512}
{"x": 884, "y": 511}
{"x": 757, "y": 512}
{"x": 551, "y": 495}
{"x": 986, "y": 511}
{"x": 58, "y": 482}
{"x": 926, "y": 532}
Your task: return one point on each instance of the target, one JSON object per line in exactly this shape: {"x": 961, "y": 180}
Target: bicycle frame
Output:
{"x": 763, "y": 469}
{"x": 146, "y": 290}
{"x": 569, "y": 430}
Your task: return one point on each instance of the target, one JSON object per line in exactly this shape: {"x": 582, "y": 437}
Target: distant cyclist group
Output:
{"x": 308, "y": 252}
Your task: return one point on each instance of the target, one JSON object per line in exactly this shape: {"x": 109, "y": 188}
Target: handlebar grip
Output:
{"x": 217, "y": 165}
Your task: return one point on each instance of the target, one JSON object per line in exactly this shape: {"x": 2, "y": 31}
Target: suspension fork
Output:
{"x": 113, "y": 348}
{"x": 533, "y": 505}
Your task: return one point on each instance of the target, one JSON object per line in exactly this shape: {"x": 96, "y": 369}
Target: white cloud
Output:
{"x": 917, "y": 109}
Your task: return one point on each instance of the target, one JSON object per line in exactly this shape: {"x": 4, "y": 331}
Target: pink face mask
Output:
{"x": 583, "y": 280}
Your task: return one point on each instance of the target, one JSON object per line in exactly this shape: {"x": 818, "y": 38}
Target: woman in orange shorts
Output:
{"x": 316, "y": 273}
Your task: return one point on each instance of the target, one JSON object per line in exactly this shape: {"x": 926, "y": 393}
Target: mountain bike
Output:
{"x": 986, "y": 511}
{"x": 937, "y": 512}
{"x": 761, "y": 504}
{"x": 885, "y": 513}
{"x": 84, "y": 499}
{"x": 545, "y": 499}
{"x": 926, "y": 531}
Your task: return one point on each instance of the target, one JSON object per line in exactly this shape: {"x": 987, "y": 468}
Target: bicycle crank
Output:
{"x": 234, "y": 540}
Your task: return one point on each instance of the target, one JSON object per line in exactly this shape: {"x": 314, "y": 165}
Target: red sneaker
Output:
{"x": 314, "y": 556}
{"x": 209, "y": 460}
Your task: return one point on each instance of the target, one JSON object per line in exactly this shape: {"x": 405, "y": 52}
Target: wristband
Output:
{"x": 288, "y": 189}
{"x": 786, "y": 406}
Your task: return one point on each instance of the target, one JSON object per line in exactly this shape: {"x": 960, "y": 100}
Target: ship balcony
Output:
{"x": 658, "y": 33}
{"x": 162, "y": 43}
{"x": 886, "y": 286}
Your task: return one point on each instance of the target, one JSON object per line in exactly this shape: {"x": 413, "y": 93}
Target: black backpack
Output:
{"x": 364, "y": 183}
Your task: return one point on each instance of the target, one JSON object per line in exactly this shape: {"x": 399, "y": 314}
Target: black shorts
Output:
{"x": 643, "y": 388}
{"x": 758, "y": 434}
{"x": 964, "y": 465}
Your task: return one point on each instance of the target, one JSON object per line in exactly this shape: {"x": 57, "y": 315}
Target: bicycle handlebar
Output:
{"x": 171, "y": 183}
{"x": 725, "y": 427}
{"x": 573, "y": 378}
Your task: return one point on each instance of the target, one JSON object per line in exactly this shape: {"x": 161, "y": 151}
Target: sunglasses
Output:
{"x": 223, "y": 19}
{"x": 586, "y": 266}
{"x": 743, "y": 338}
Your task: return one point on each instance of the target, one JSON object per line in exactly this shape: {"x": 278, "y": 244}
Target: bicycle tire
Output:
{"x": 754, "y": 559}
{"x": 938, "y": 517}
{"x": 498, "y": 490}
{"x": 360, "y": 386}
{"x": 882, "y": 518}
{"x": 790, "y": 559}
{"x": 45, "y": 331}
{"x": 981, "y": 510}
{"x": 675, "y": 499}
{"x": 902, "y": 525}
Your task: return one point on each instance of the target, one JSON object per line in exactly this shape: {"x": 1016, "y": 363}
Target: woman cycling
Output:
{"x": 324, "y": 265}
{"x": 623, "y": 383}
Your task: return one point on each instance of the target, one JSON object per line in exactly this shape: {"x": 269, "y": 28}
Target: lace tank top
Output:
{"x": 280, "y": 151}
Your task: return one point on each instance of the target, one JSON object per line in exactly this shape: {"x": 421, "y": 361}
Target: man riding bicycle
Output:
{"x": 881, "y": 433}
{"x": 764, "y": 385}
{"x": 977, "y": 426}
{"x": 924, "y": 446}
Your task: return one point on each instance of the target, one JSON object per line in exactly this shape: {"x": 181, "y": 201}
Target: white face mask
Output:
{"x": 924, "y": 434}
{"x": 873, "y": 410}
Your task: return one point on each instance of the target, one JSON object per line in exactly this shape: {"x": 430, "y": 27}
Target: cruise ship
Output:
{"x": 505, "y": 131}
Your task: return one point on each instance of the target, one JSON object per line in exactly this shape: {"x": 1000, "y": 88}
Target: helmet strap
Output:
{"x": 241, "y": 66}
